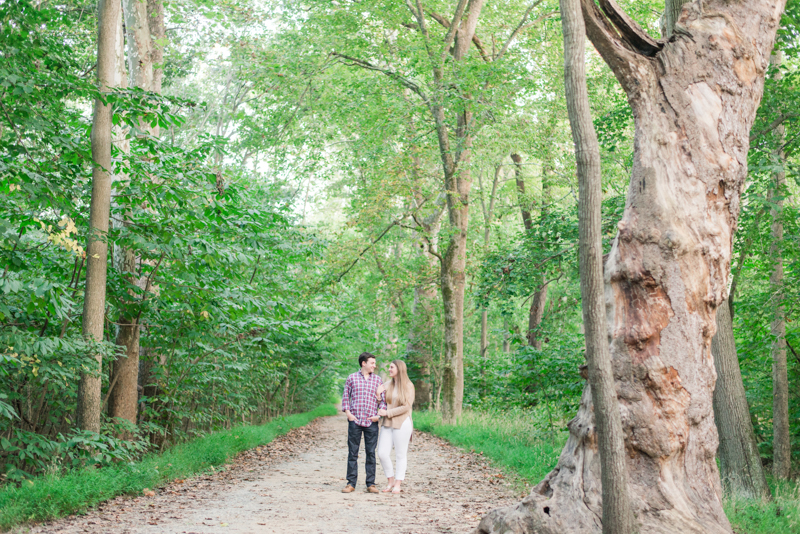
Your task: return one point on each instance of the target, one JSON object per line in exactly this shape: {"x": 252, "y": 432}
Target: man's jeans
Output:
{"x": 353, "y": 443}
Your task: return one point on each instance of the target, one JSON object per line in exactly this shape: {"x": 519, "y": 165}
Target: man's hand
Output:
{"x": 380, "y": 390}
{"x": 375, "y": 418}
{"x": 382, "y": 413}
{"x": 350, "y": 417}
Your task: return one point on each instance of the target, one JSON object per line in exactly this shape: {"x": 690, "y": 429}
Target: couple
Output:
{"x": 366, "y": 400}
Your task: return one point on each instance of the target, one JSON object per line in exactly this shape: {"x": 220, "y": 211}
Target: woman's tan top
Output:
{"x": 397, "y": 413}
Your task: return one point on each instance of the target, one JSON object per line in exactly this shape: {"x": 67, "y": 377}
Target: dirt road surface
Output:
{"x": 293, "y": 485}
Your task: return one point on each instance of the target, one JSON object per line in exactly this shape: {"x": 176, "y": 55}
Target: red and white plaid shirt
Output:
{"x": 359, "y": 397}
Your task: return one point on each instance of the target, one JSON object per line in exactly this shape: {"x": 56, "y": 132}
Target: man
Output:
{"x": 361, "y": 406}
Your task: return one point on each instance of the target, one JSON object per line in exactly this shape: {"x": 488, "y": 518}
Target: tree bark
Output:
{"x": 155, "y": 17}
{"x": 617, "y": 515}
{"x": 672, "y": 12}
{"x": 740, "y": 463}
{"x": 781, "y": 438}
{"x": 124, "y": 397}
{"x": 89, "y": 389}
{"x": 694, "y": 100}
{"x": 457, "y": 184}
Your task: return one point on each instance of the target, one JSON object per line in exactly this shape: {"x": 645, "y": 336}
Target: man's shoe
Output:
{"x": 348, "y": 489}
{"x": 373, "y": 489}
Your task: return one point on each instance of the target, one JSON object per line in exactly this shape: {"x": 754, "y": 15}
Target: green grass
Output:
{"x": 781, "y": 515}
{"x": 49, "y": 497}
{"x": 511, "y": 441}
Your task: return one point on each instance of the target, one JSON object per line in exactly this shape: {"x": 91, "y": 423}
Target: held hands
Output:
{"x": 382, "y": 413}
{"x": 380, "y": 390}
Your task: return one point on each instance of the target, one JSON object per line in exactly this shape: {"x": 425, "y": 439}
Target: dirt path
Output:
{"x": 293, "y": 485}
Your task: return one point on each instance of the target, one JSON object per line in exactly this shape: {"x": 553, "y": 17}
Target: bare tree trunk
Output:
{"x": 694, "y": 101}
{"x": 672, "y": 12}
{"x": 781, "y": 439}
{"x": 740, "y": 463}
{"x": 506, "y": 337}
{"x": 457, "y": 184}
{"x": 617, "y": 513}
{"x": 124, "y": 397}
{"x": 155, "y": 17}
{"x": 89, "y": 389}
{"x": 453, "y": 282}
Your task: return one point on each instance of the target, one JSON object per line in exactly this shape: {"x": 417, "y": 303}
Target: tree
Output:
{"x": 617, "y": 514}
{"x": 694, "y": 100}
{"x": 781, "y": 440}
{"x": 740, "y": 463}
{"x": 89, "y": 402}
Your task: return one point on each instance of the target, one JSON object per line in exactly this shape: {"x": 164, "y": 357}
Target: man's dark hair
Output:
{"x": 364, "y": 356}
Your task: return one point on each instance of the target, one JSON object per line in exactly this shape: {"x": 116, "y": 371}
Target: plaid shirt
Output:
{"x": 359, "y": 397}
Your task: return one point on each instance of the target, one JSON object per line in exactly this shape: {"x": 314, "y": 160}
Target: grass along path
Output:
{"x": 294, "y": 485}
{"x": 49, "y": 497}
{"x": 511, "y": 441}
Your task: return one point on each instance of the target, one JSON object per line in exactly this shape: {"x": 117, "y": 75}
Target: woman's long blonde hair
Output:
{"x": 401, "y": 380}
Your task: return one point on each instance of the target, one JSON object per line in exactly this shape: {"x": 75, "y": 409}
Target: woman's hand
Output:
{"x": 380, "y": 390}
{"x": 374, "y": 418}
{"x": 382, "y": 413}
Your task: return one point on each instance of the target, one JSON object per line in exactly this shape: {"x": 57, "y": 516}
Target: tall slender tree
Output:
{"x": 123, "y": 397}
{"x": 781, "y": 439}
{"x": 617, "y": 514}
{"x": 89, "y": 401}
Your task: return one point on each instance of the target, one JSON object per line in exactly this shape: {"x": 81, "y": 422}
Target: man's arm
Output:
{"x": 348, "y": 389}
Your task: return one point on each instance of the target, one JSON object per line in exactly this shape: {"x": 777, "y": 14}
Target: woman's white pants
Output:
{"x": 399, "y": 437}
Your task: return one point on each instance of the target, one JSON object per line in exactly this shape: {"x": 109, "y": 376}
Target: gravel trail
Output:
{"x": 293, "y": 485}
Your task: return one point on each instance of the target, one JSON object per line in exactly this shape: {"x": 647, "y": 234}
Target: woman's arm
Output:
{"x": 403, "y": 408}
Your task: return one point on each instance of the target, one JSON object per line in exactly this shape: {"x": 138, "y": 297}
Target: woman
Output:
{"x": 397, "y": 425}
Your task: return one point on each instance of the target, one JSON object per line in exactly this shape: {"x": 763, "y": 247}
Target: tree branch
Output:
{"x": 617, "y": 53}
{"x": 386, "y": 231}
{"x": 405, "y": 82}
{"x": 522, "y": 26}
{"x": 630, "y": 31}
{"x": 774, "y": 124}
{"x": 451, "y": 31}
{"x": 475, "y": 39}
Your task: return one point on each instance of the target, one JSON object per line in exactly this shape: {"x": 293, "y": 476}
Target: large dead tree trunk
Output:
{"x": 694, "y": 100}
{"x": 740, "y": 463}
{"x": 89, "y": 389}
{"x": 781, "y": 439}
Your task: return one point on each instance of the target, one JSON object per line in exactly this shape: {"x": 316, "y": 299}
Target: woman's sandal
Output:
{"x": 395, "y": 489}
{"x": 388, "y": 489}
